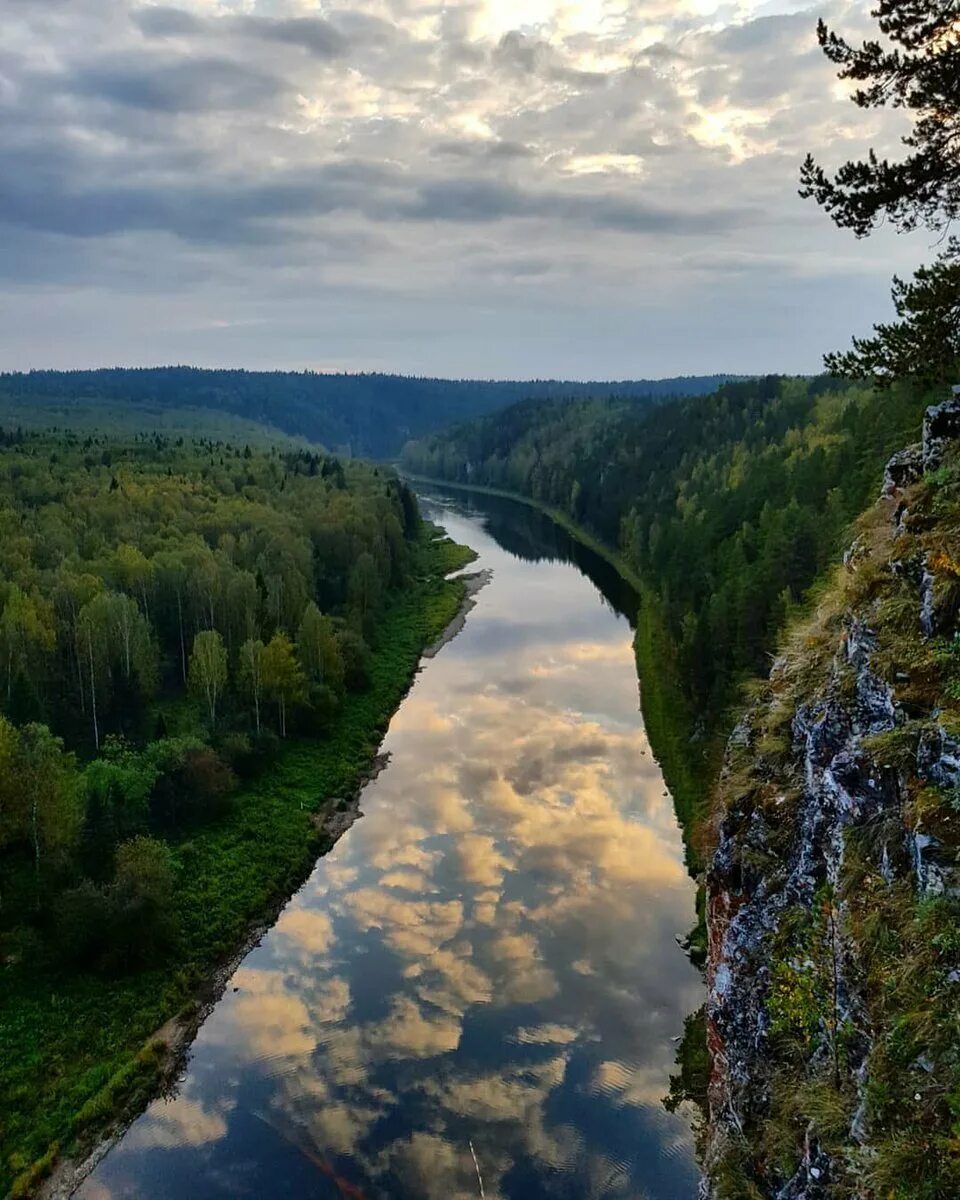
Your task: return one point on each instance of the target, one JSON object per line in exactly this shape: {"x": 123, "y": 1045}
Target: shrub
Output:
{"x": 208, "y": 782}
{"x": 357, "y": 660}
{"x": 142, "y": 895}
{"x": 83, "y": 917}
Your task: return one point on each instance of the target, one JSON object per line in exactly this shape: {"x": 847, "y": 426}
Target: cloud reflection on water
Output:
{"x": 488, "y": 956}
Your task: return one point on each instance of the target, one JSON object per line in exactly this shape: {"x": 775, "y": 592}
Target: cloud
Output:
{"x": 171, "y": 85}
{"x": 431, "y": 1167}
{"x": 411, "y": 928}
{"x": 181, "y": 1122}
{"x": 479, "y": 860}
{"x": 479, "y": 201}
{"x": 313, "y": 34}
{"x": 540, "y": 1035}
{"x": 159, "y": 20}
{"x": 408, "y": 1033}
{"x": 310, "y": 929}
{"x": 273, "y": 1025}
{"x": 626, "y": 1084}
{"x": 500, "y": 188}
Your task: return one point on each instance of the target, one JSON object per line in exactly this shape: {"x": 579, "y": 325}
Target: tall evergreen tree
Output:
{"x": 917, "y": 69}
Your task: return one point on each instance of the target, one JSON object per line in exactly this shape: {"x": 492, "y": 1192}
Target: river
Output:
{"x": 480, "y": 982}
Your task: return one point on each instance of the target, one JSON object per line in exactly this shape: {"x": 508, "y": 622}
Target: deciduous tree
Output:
{"x": 283, "y": 679}
{"x": 27, "y": 630}
{"x": 208, "y": 669}
{"x": 318, "y": 650}
{"x": 251, "y": 674}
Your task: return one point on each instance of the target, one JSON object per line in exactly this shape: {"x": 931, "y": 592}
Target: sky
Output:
{"x": 494, "y": 188}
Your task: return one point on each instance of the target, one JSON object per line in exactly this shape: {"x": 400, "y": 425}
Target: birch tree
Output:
{"x": 318, "y": 650}
{"x": 283, "y": 679}
{"x": 208, "y": 669}
{"x": 251, "y": 674}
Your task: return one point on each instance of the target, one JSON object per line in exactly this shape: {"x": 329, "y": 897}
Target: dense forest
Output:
{"x": 157, "y": 598}
{"x": 171, "y": 612}
{"x": 364, "y": 414}
{"x": 727, "y": 506}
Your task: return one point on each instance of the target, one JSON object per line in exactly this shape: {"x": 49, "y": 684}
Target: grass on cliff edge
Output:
{"x": 73, "y": 1045}
{"x": 907, "y": 945}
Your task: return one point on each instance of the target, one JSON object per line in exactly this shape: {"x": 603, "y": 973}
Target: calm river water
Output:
{"x": 486, "y": 959}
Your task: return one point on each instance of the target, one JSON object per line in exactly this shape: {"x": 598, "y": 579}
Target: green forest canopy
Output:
{"x": 363, "y": 414}
{"x": 167, "y": 609}
{"x": 726, "y": 505}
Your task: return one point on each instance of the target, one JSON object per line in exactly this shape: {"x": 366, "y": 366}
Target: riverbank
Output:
{"x": 480, "y": 923}
{"x": 84, "y": 1054}
{"x": 557, "y": 515}
{"x": 689, "y": 762}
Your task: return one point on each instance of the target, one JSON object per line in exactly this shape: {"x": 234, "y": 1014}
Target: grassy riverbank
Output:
{"x": 74, "y": 1047}
{"x": 688, "y": 764}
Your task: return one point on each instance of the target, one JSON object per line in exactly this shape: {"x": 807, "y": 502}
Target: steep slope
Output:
{"x": 726, "y": 506}
{"x": 371, "y": 415}
{"x": 834, "y": 891}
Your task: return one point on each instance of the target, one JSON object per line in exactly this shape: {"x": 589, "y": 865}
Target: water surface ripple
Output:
{"x": 488, "y": 957}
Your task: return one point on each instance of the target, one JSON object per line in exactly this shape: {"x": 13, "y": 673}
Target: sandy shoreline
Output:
{"x": 474, "y": 584}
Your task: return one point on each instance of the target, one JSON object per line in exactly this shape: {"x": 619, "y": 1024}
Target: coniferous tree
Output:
{"x": 917, "y": 70}
{"x": 924, "y": 343}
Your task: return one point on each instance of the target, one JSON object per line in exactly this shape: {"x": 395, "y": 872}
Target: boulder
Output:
{"x": 941, "y": 426}
{"x": 903, "y": 469}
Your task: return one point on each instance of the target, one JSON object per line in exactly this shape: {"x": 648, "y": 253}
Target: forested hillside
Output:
{"x": 834, "y": 968}
{"x": 369, "y": 414}
{"x": 727, "y": 506}
{"x": 170, "y": 613}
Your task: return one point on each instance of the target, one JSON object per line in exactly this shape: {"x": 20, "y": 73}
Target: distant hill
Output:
{"x": 371, "y": 415}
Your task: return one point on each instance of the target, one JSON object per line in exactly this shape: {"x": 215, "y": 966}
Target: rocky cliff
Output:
{"x": 833, "y": 1018}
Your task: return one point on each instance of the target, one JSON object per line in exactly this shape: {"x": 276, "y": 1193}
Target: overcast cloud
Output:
{"x": 598, "y": 188}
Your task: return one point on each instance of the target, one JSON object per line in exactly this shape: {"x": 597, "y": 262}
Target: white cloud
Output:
{"x": 274, "y": 183}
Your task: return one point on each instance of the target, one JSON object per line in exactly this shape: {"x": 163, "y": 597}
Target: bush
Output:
{"x": 208, "y": 782}
{"x": 142, "y": 895}
{"x": 84, "y": 917}
{"x": 265, "y": 746}
{"x": 323, "y": 705}
{"x": 357, "y": 660}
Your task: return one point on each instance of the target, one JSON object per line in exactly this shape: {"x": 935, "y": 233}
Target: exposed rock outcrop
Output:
{"x": 837, "y": 803}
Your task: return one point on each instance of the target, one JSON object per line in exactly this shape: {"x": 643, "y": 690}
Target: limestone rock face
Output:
{"x": 783, "y": 842}
{"x": 903, "y": 469}
{"x": 941, "y": 427}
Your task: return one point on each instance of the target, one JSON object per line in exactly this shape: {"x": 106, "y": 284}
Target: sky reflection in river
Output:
{"x": 487, "y": 957}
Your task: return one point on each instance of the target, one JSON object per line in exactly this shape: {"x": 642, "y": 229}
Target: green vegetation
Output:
{"x": 369, "y": 414}
{"x": 86, "y": 414}
{"x": 727, "y": 507}
{"x": 915, "y": 68}
{"x": 905, "y": 940}
{"x": 691, "y": 1083}
{"x": 924, "y": 342}
{"x": 169, "y": 611}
